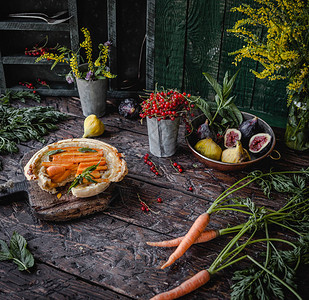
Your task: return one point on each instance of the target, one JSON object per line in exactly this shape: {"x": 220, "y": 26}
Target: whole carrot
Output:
{"x": 205, "y": 236}
{"x": 193, "y": 234}
{"x": 186, "y": 287}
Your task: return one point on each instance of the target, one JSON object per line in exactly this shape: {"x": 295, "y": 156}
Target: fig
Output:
{"x": 248, "y": 128}
{"x": 204, "y": 131}
{"x": 208, "y": 148}
{"x": 235, "y": 155}
{"x": 231, "y": 137}
{"x": 259, "y": 143}
{"x": 129, "y": 108}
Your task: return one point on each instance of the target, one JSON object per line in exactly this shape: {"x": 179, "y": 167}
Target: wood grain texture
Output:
{"x": 203, "y": 40}
{"x": 104, "y": 255}
{"x": 206, "y": 45}
{"x": 170, "y": 42}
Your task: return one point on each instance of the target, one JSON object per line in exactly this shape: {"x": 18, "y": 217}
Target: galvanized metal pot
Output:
{"x": 92, "y": 94}
{"x": 162, "y": 136}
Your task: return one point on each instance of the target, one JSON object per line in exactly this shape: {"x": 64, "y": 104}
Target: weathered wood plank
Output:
{"x": 34, "y": 26}
{"x": 107, "y": 250}
{"x": 109, "y": 253}
{"x": 202, "y": 44}
{"x": 111, "y": 13}
{"x": 170, "y": 36}
{"x": 150, "y": 43}
{"x": 48, "y": 282}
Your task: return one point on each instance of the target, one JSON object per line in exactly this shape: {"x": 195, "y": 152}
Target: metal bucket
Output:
{"x": 92, "y": 94}
{"x": 162, "y": 136}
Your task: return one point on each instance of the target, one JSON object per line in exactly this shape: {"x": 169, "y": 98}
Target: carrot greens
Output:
{"x": 264, "y": 280}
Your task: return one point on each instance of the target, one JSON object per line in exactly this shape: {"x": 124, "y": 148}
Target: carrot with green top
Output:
{"x": 259, "y": 218}
{"x": 205, "y": 236}
{"x": 202, "y": 221}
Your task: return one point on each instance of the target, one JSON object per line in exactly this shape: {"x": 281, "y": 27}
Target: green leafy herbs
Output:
{"x": 18, "y": 95}
{"x": 84, "y": 150}
{"x": 86, "y": 174}
{"x": 17, "y": 252}
{"x": 255, "y": 281}
{"x": 223, "y": 105}
{"x": 24, "y": 124}
{"x": 52, "y": 152}
{"x": 269, "y": 278}
{"x": 281, "y": 182}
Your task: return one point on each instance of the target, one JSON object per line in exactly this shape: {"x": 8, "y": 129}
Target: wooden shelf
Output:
{"x": 57, "y": 90}
{"x": 25, "y": 60}
{"x": 20, "y": 25}
{"x": 34, "y": 26}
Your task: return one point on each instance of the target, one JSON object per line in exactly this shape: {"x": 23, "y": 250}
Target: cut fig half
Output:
{"x": 231, "y": 137}
{"x": 259, "y": 143}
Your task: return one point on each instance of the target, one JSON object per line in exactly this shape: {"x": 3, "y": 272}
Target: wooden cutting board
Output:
{"x": 49, "y": 207}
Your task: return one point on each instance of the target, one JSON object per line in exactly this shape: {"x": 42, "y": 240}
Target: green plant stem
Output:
{"x": 276, "y": 277}
{"x": 229, "y": 230}
{"x": 287, "y": 227}
{"x": 229, "y": 191}
{"x": 226, "y": 249}
{"x": 21, "y": 263}
{"x": 216, "y": 113}
{"x": 232, "y": 209}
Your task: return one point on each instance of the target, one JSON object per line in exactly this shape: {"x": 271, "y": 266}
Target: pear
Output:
{"x": 235, "y": 155}
{"x": 93, "y": 126}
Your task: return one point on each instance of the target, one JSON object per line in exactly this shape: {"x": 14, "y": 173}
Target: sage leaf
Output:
{"x": 55, "y": 151}
{"x": 86, "y": 150}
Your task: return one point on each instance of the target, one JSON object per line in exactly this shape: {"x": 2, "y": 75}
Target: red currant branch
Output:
{"x": 151, "y": 164}
{"x": 145, "y": 207}
{"x": 176, "y": 166}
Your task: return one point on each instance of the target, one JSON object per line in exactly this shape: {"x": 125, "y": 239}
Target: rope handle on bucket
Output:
{"x": 278, "y": 155}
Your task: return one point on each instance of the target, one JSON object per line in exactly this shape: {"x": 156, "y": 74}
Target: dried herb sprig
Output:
{"x": 86, "y": 174}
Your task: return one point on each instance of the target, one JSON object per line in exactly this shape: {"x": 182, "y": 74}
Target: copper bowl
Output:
{"x": 222, "y": 166}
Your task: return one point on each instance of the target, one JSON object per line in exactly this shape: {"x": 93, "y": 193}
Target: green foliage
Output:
{"x": 281, "y": 182}
{"x": 17, "y": 252}
{"x": 86, "y": 174}
{"x": 268, "y": 279}
{"x": 55, "y": 151}
{"x": 254, "y": 283}
{"x": 24, "y": 124}
{"x": 223, "y": 106}
{"x": 22, "y": 96}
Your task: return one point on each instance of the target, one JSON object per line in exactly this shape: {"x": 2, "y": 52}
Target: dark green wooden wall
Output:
{"x": 191, "y": 38}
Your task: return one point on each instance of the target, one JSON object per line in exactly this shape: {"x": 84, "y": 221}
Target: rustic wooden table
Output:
{"x": 104, "y": 256}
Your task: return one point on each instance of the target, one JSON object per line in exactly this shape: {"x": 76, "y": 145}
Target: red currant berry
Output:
{"x": 159, "y": 200}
